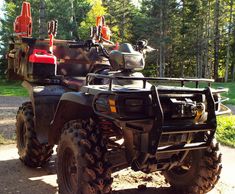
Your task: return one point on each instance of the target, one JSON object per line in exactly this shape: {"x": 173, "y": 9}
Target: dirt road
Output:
{"x": 8, "y": 109}
{"x": 16, "y": 178}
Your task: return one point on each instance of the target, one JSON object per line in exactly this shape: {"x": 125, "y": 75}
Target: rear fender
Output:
{"x": 72, "y": 105}
{"x": 44, "y": 100}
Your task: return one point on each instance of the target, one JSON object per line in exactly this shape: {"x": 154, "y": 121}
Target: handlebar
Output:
{"x": 89, "y": 44}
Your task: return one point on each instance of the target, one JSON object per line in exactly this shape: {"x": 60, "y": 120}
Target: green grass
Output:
{"x": 230, "y": 94}
{"x": 226, "y": 130}
{"x": 14, "y": 88}
{"x": 11, "y": 88}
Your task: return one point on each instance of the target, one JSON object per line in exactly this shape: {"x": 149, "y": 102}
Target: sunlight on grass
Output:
{"x": 226, "y": 130}
{"x": 12, "y": 88}
{"x": 230, "y": 86}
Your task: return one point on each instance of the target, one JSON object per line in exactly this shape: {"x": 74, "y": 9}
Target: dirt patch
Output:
{"x": 8, "y": 110}
{"x": 16, "y": 178}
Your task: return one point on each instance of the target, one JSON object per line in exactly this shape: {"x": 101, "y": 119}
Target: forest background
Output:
{"x": 192, "y": 38}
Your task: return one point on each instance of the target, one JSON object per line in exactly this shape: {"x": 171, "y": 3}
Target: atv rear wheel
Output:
{"x": 199, "y": 173}
{"x": 32, "y": 153}
{"x": 81, "y": 160}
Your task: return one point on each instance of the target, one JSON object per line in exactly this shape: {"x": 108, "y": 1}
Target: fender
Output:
{"x": 72, "y": 105}
{"x": 44, "y": 99}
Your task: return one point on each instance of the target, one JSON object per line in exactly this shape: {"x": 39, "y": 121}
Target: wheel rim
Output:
{"x": 23, "y": 135}
{"x": 69, "y": 170}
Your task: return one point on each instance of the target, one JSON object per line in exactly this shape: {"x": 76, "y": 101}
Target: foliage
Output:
{"x": 119, "y": 17}
{"x": 70, "y": 15}
{"x": 190, "y": 37}
{"x": 226, "y": 130}
{"x": 96, "y": 10}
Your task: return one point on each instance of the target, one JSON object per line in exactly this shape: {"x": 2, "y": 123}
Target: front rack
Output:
{"x": 145, "y": 79}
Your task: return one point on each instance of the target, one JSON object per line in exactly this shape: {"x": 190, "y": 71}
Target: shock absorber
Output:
{"x": 111, "y": 132}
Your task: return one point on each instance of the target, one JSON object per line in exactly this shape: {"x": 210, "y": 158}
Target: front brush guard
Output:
{"x": 159, "y": 128}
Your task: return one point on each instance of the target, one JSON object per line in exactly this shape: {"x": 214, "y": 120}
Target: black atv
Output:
{"x": 122, "y": 119}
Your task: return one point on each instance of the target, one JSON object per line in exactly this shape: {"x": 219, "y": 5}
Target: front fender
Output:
{"x": 72, "y": 105}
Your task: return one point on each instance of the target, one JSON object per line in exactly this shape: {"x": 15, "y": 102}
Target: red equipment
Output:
{"x": 105, "y": 31}
{"x": 39, "y": 57}
{"x": 52, "y": 31}
{"x": 23, "y": 23}
{"x": 42, "y": 56}
{"x": 42, "y": 64}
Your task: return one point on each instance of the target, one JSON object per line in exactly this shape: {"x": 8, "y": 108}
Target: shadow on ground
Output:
{"x": 17, "y": 178}
{"x": 148, "y": 190}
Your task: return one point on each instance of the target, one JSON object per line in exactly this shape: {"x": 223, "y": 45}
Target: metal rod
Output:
{"x": 150, "y": 78}
{"x": 185, "y": 131}
{"x": 187, "y": 127}
{"x": 110, "y": 84}
{"x": 144, "y": 83}
{"x": 193, "y": 146}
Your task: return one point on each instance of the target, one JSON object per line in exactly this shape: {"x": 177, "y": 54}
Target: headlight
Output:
{"x": 134, "y": 61}
{"x": 105, "y": 104}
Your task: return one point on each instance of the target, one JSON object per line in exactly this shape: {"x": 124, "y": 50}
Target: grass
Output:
{"x": 226, "y": 130}
{"x": 4, "y": 141}
{"x": 14, "y": 88}
{"x": 230, "y": 94}
{"x": 11, "y": 88}
{"x": 230, "y": 86}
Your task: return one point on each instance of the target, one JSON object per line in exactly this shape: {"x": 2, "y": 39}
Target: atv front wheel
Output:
{"x": 32, "y": 153}
{"x": 81, "y": 162}
{"x": 199, "y": 172}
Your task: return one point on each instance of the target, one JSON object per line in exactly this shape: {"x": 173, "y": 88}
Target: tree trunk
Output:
{"x": 72, "y": 19}
{"x": 161, "y": 60}
{"x": 123, "y": 21}
{"x": 216, "y": 39}
{"x": 207, "y": 34}
{"x": 42, "y": 25}
{"x": 228, "y": 41}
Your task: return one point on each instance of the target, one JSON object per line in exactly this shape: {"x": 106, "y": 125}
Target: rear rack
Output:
{"x": 145, "y": 79}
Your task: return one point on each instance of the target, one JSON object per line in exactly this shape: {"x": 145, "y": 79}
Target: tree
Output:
{"x": 228, "y": 41}
{"x": 97, "y": 9}
{"x": 216, "y": 39}
{"x": 119, "y": 17}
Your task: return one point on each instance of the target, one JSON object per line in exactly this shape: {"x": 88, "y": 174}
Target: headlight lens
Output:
{"x": 134, "y": 61}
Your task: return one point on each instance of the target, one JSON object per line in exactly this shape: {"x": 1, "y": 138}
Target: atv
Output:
{"x": 104, "y": 115}
{"x": 122, "y": 119}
